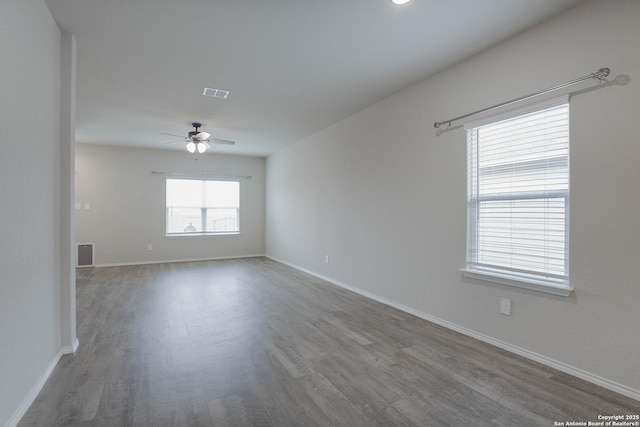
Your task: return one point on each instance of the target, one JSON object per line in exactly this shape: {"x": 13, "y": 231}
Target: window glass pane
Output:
{"x": 184, "y": 193}
{"x": 184, "y": 220}
{"x": 219, "y": 220}
{"x": 522, "y": 235}
{"x": 222, "y": 194}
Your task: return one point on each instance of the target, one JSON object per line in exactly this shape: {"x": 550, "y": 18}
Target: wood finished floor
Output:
{"x": 252, "y": 342}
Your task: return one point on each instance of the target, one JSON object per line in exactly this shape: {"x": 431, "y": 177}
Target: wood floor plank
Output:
{"x": 291, "y": 403}
{"x": 254, "y": 342}
{"x": 485, "y": 383}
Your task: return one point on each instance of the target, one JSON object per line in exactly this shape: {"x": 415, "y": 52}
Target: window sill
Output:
{"x": 178, "y": 236}
{"x": 530, "y": 284}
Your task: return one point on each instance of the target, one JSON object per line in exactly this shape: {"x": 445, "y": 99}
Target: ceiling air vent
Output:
{"x": 216, "y": 93}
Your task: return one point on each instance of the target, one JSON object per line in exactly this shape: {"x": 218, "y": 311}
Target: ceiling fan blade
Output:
{"x": 173, "y": 142}
{"x": 172, "y": 134}
{"x": 221, "y": 141}
{"x": 206, "y": 143}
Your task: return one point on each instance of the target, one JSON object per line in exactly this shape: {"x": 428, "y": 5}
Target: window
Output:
{"x": 518, "y": 199}
{"x": 198, "y": 207}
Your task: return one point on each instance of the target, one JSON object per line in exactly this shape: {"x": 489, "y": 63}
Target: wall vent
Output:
{"x": 86, "y": 255}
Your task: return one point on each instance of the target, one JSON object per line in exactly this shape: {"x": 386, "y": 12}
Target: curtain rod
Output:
{"x": 201, "y": 175}
{"x": 598, "y": 75}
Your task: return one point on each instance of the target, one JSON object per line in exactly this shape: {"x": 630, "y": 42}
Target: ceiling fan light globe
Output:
{"x": 191, "y": 147}
{"x": 201, "y": 148}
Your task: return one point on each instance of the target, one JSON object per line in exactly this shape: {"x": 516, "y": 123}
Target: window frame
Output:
{"x": 202, "y": 209}
{"x": 558, "y": 285}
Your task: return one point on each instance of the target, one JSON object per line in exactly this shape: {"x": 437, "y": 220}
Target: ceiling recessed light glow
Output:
{"x": 399, "y": 2}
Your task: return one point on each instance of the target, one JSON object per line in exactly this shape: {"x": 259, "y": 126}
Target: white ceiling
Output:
{"x": 293, "y": 66}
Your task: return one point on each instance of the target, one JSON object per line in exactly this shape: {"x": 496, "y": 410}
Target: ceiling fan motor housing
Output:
{"x": 195, "y": 132}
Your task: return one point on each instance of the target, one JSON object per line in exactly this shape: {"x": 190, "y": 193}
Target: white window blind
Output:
{"x": 196, "y": 206}
{"x": 518, "y": 198}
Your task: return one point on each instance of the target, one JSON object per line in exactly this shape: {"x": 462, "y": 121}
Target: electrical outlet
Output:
{"x": 149, "y": 247}
{"x": 326, "y": 259}
{"x": 505, "y": 306}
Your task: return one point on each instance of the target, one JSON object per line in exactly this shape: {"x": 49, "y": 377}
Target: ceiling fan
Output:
{"x": 198, "y": 141}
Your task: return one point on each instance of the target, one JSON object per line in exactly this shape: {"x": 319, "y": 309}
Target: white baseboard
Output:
{"x": 122, "y": 264}
{"x": 33, "y": 393}
{"x": 560, "y": 366}
{"x": 70, "y": 349}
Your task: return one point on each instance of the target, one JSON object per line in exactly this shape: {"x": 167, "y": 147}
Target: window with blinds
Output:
{"x": 197, "y": 207}
{"x": 518, "y": 200}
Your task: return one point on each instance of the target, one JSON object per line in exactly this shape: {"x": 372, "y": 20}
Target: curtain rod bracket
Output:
{"x": 601, "y": 74}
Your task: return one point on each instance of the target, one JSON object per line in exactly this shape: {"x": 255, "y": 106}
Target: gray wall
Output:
{"x": 385, "y": 197}
{"x": 127, "y": 204}
{"x": 29, "y": 200}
